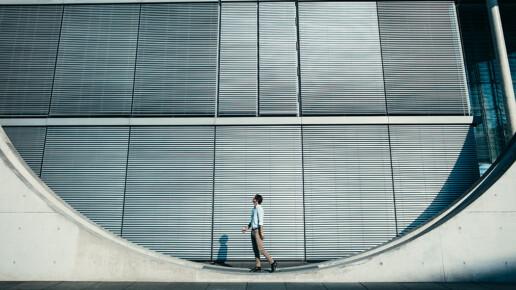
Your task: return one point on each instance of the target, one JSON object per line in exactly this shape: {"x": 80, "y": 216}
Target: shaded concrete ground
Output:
{"x": 253, "y": 286}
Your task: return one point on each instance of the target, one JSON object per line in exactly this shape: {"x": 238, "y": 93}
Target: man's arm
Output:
{"x": 244, "y": 229}
{"x": 260, "y": 222}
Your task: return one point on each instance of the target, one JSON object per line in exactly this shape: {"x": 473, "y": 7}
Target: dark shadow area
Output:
{"x": 222, "y": 255}
{"x": 460, "y": 179}
{"x": 485, "y": 89}
{"x": 507, "y": 13}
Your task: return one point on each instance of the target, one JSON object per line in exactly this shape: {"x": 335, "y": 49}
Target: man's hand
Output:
{"x": 244, "y": 229}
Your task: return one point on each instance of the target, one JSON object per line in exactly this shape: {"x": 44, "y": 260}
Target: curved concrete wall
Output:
{"x": 45, "y": 239}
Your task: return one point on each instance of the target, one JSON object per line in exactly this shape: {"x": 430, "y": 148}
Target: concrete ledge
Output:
{"x": 44, "y": 239}
{"x": 235, "y": 121}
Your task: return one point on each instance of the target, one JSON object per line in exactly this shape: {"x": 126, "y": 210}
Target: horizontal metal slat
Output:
{"x": 29, "y": 142}
{"x": 349, "y": 204}
{"x": 238, "y": 76}
{"x": 278, "y": 58}
{"x": 422, "y": 57}
{"x": 341, "y": 64}
{"x": 168, "y": 205}
{"x": 264, "y": 160}
{"x": 86, "y": 167}
{"x": 176, "y": 71}
{"x": 432, "y": 166}
{"x": 95, "y": 64}
{"x": 28, "y": 45}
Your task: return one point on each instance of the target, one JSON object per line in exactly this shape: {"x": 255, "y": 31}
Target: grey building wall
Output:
{"x": 330, "y": 190}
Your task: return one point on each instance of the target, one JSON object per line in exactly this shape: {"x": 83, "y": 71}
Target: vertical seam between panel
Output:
{"x": 43, "y": 153}
{"x": 130, "y": 113}
{"x": 219, "y": 42}
{"x": 298, "y": 69}
{"x": 135, "y": 59}
{"x": 257, "y": 112}
{"x": 388, "y": 123}
{"x": 392, "y": 180}
{"x": 55, "y": 63}
{"x": 125, "y": 181}
{"x": 299, "y": 113}
{"x": 303, "y": 188}
{"x": 217, "y": 77}
{"x": 213, "y": 191}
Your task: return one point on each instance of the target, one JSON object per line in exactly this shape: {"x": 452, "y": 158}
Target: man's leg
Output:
{"x": 256, "y": 250}
{"x": 259, "y": 241}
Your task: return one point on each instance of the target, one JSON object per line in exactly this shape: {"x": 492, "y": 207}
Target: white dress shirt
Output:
{"x": 256, "y": 217}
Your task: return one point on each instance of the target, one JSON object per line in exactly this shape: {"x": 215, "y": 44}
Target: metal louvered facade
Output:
{"x": 176, "y": 72}
{"x": 180, "y": 59}
{"x": 166, "y": 118}
{"x": 278, "y": 58}
{"x": 30, "y": 143}
{"x": 238, "y": 64}
{"x": 348, "y": 190}
{"x": 168, "y": 200}
{"x": 95, "y": 64}
{"x": 432, "y": 166}
{"x": 28, "y": 43}
{"x": 341, "y": 62}
{"x": 86, "y": 166}
{"x": 262, "y": 160}
{"x": 422, "y": 58}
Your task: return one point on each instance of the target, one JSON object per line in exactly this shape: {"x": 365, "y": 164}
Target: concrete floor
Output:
{"x": 252, "y": 286}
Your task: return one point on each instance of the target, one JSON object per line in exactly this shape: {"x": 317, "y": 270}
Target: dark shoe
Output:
{"x": 274, "y": 265}
{"x": 256, "y": 269}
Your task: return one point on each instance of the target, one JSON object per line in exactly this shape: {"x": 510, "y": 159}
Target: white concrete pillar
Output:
{"x": 501, "y": 52}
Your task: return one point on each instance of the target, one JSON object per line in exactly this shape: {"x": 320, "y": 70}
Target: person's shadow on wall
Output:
{"x": 222, "y": 255}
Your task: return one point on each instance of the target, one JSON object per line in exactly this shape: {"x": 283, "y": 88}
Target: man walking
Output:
{"x": 256, "y": 227}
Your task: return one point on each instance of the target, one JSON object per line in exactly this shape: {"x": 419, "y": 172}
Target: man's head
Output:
{"x": 257, "y": 199}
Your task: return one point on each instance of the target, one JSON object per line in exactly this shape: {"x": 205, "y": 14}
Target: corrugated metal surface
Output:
{"x": 176, "y": 71}
{"x": 86, "y": 167}
{"x": 424, "y": 70}
{"x": 341, "y": 66}
{"x": 264, "y": 160}
{"x": 168, "y": 205}
{"x": 348, "y": 189}
{"x": 278, "y": 58}
{"x": 28, "y": 44}
{"x": 95, "y": 65}
{"x": 29, "y": 142}
{"x": 238, "y": 75}
{"x": 432, "y": 166}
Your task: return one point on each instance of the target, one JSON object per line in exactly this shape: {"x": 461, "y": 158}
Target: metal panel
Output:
{"x": 432, "y": 166}
{"x": 341, "y": 66}
{"x": 176, "y": 70}
{"x": 238, "y": 88}
{"x": 278, "y": 58}
{"x": 29, "y": 142}
{"x": 264, "y": 160}
{"x": 424, "y": 70}
{"x": 348, "y": 190}
{"x": 169, "y": 191}
{"x": 95, "y": 65}
{"x": 86, "y": 167}
{"x": 28, "y": 44}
